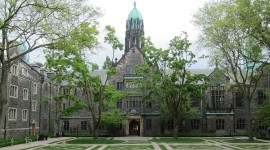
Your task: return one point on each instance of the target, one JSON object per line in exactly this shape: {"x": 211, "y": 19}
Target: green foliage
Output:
{"x": 77, "y": 105}
{"x": 166, "y": 76}
{"x": 112, "y": 117}
{"x": 234, "y": 32}
{"x": 107, "y": 63}
{"x": 69, "y": 60}
{"x": 264, "y": 113}
{"x": 111, "y": 39}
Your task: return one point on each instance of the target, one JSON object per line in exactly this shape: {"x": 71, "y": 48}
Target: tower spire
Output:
{"x": 134, "y": 4}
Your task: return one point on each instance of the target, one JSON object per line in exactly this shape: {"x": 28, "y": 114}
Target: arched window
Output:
{"x": 240, "y": 124}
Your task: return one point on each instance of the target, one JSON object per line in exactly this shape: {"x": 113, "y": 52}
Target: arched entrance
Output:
{"x": 134, "y": 127}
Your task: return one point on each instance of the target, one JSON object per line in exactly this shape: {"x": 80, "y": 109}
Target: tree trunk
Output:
{"x": 175, "y": 128}
{"x": 95, "y": 129}
{"x": 4, "y": 97}
{"x": 249, "y": 122}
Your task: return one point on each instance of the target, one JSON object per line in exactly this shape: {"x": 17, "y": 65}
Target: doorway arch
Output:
{"x": 134, "y": 127}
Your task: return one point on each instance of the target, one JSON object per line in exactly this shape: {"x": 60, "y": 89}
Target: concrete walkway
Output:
{"x": 139, "y": 141}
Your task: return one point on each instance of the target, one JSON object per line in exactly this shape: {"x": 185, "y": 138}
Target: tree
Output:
{"x": 232, "y": 46}
{"x": 169, "y": 81}
{"x": 112, "y": 39}
{"x": 263, "y": 112}
{"x": 107, "y": 63}
{"x": 37, "y": 24}
{"x": 68, "y": 60}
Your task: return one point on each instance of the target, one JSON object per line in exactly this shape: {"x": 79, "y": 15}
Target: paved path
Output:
{"x": 208, "y": 143}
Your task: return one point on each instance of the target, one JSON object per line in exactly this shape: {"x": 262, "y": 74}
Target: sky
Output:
{"x": 163, "y": 19}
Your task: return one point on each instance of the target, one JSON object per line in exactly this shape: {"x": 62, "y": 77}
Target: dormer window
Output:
{"x": 24, "y": 71}
{"x": 14, "y": 70}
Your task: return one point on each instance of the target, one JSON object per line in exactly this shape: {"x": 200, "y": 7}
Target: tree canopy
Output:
{"x": 169, "y": 81}
{"x": 230, "y": 30}
{"x": 37, "y": 24}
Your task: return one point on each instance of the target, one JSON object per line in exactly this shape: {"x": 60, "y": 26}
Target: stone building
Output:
{"x": 222, "y": 111}
{"x": 27, "y": 112}
{"x": 33, "y": 110}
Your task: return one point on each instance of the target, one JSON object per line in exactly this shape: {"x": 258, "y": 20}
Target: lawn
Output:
{"x": 179, "y": 140}
{"x": 92, "y": 141}
{"x": 63, "y": 147}
{"x": 130, "y": 147}
{"x": 231, "y": 140}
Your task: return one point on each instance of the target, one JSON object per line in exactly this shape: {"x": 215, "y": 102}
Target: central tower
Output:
{"x": 134, "y": 29}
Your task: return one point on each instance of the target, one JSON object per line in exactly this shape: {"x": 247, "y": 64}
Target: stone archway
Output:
{"x": 134, "y": 127}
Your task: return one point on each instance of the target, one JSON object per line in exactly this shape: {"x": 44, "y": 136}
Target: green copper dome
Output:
{"x": 134, "y": 13}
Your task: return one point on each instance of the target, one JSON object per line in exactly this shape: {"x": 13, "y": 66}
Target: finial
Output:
{"x": 134, "y": 3}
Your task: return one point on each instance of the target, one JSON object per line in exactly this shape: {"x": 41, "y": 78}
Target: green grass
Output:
{"x": 92, "y": 141}
{"x": 97, "y": 147}
{"x": 136, "y": 142}
{"x": 130, "y": 147}
{"x": 62, "y": 147}
{"x": 242, "y": 141}
{"x": 162, "y": 147}
{"x": 179, "y": 140}
{"x": 230, "y": 140}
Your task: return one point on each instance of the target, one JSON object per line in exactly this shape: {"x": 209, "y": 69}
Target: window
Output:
{"x": 75, "y": 91}
{"x": 63, "y": 106}
{"x": 12, "y": 114}
{"x": 66, "y": 91}
{"x": 261, "y": 97}
{"x": 194, "y": 103}
{"x": 134, "y": 102}
{"x": 120, "y": 126}
{"x": 129, "y": 70}
{"x": 24, "y": 115}
{"x": 148, "y": 105}
{"x": 195, "y": 124}
{"x": 24, "y": 71}
{"x": 35, "y": 88}
{"x": 130, "y": 85}
{"x": 66, "y": 125}
{"x": 119, "y": 104}
{"x": 148, "y": 124}
{"x": 84, "y": 125}
{"x": 220, "y": 124}
{"x": 14, "y": 70}
{"x": 217, "y": 98}
{"x": 119, "y": 86}
{"x": 34, "y": 105}
{"x": 239, "y": 100}
{"x": 170, "y": 124}
{"x": 25, "y": 94}
{"x": 240, "y": 124}
{"x": 13, "y": 91}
